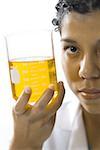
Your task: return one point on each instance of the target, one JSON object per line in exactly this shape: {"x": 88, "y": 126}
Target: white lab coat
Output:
{"x": 69, "y": 132}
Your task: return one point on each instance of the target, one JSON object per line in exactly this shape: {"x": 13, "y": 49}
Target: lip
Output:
{"x": 92, "y": 93}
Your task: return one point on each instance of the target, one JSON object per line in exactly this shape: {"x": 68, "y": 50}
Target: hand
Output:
{"x": 33, "y": 126}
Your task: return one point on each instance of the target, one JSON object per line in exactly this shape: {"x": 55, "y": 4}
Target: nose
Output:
{"x": 88, "y": 68}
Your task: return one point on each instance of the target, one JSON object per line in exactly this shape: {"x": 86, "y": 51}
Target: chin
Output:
{"x": 92, "y": 109}
{"x": 91, "y": 106}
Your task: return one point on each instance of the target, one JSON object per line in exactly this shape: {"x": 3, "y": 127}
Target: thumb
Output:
{"x": 22, "y": 101}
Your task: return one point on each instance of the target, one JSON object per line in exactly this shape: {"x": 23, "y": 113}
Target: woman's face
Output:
{"x": 80, "y": 40}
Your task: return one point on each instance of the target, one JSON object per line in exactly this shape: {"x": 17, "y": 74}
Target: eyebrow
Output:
{"x": 74, "y": 42}
{"x": 68, "y": 40}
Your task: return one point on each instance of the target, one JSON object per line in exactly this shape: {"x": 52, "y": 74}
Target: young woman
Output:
{"x": 78, "y": 22}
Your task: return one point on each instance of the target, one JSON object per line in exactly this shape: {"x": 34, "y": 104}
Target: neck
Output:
{"x": 91, "y": 119}
{"x": 92, "y": 124}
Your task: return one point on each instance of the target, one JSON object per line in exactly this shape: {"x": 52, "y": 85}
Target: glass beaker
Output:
{"x": 31, "y": 62}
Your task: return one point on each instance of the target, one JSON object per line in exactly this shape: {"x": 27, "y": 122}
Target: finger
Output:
{"x": 22, "y": 101}
{"x": 42, "y": 103}
{"x": 39, "y": 114}
{"x": 51, "y": 109}
{"x": 45, "y": 98}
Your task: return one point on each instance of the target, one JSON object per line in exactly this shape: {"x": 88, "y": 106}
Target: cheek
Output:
{"x": 71, "y": 70}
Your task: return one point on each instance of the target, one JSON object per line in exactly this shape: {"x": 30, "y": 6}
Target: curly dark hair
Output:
{"x": 80, "y": 6}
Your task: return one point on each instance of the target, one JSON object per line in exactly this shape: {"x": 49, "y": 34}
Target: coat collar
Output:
{"x": 70, "y": 120}
{"x": 66, "y": 114}
{"x": 78, "y": 138}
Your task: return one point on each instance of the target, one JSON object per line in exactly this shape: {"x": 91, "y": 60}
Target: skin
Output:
{"x": 34, "y": 125}
{"x": 82, "y": 66}
{"x": 82, "y": 70}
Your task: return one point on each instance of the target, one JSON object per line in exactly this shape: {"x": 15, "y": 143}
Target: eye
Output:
{"x": 71, "y": 49}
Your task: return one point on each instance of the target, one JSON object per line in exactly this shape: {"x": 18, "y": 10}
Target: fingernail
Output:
{"x": 51, "y": 86}
{"x": 61, "y": 83}
{"x": 27, "y": 90}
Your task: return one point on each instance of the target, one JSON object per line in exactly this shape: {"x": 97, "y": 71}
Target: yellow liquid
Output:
{"x": 35, "y": 74}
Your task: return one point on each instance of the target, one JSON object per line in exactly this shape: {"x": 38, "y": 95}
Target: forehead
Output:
{"x": 77, "y": 25}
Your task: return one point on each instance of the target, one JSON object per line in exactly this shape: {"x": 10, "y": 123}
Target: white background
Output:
{"x": 19, "y": 15}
